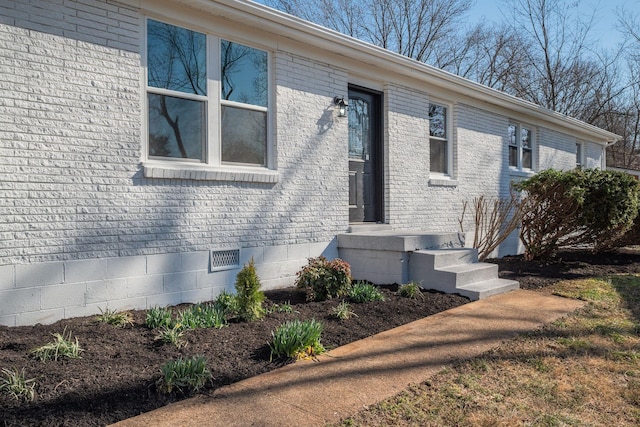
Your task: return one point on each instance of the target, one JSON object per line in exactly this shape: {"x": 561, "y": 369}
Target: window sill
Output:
{"x": 210, "y": 173}
{"x": 527, "y": 173}
{"x": 443, "y": 181}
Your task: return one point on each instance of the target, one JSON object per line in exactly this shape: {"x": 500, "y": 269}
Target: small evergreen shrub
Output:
{"x": 16, "y": 384}
{"x": 322, "y": 279}
{"x": 410, "y": 290}
{"x": 365, "y": 292}
{"x": 297, "y": 339}
{"x": 248, "y": 295}
{"x": 62, "y": 346}
{"x": 158, "y": 317}
{"x": 184, "y": 375}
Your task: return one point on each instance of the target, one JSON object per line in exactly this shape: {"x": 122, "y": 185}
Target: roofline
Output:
{"x": 316, "y": 35}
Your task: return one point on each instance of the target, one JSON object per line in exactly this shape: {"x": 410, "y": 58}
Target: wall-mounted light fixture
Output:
{"x": 342, "y": 105}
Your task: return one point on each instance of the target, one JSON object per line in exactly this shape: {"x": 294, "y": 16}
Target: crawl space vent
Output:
{"x": 225, "y": 259}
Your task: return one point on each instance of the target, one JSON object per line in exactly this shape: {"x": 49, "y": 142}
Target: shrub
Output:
{"x": 119, "y": 319}
{"x": 63, "y": 346}
{"x": 184, "y": 375}
{"x": 365, "y": 292}
{"x": 227, "y": 302}
{"x": 158, "y": 317}
{"x": 248, "y": 294}
{"x": 494, "y": 220}
{"x": 343, "y": 311}
{"x": 297, "y": 339}
{"x": 409, "y": 290}
{"x": 15, "y": 384}
{"x": 580, "y": 207}
{"x": 322, "y": 279}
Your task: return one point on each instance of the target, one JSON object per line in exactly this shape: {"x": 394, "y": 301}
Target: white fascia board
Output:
{"x": 289, "y": 26}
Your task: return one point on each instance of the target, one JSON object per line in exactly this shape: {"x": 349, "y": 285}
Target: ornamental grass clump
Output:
{"x": 365, "y": 292}
{"x": 174, "y": 335}
{"x": 184, "y": 375}
{"x": 410, "y": 290}
{"x": 297, "y": 339}
{"x": 249, "y": 297}
{"x": 158, "y": 317}
{"x": 16, "y": 384}
{"x": 62, "y": 346}
{"x": 115, "y": 318}
{"x": 343, "y": 311}
{"x": 322, "y": 279}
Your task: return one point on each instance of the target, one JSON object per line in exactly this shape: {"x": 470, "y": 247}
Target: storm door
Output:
{"x": 365, "y": 156}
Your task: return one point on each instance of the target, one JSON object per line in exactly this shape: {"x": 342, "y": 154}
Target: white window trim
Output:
{"x": 211, "y": 168}
{"x": 519, "y": 169}
{"x": 439, "y": 178}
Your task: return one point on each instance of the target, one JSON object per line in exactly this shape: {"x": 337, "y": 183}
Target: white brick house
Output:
{"x": 148, "y": 148}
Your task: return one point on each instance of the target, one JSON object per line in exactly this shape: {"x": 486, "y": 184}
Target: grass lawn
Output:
{"x": 582, "y": 370}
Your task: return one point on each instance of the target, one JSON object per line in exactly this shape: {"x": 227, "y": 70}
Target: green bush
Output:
{"x": 365, "y": 292}
{"x": 248, "y": 295}
{"x": 297, "y": 339}
{"x": 184, "y": 375}
{"x": 580, "y": 207}
{"x": 322, "y": 279}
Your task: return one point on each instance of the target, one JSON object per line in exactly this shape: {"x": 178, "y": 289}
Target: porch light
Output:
{"x": 342, "y": 105}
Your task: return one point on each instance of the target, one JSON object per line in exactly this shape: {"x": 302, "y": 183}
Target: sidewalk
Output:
{"x": 338, "y": 384}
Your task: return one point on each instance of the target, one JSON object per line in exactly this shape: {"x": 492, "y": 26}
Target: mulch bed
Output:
{"x": 116, "y": 376}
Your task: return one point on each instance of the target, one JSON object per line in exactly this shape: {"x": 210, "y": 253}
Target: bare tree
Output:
{"x": 409, "y": 27}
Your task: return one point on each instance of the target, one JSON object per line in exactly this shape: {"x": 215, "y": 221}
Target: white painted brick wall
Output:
{"x": 83, "y": 229}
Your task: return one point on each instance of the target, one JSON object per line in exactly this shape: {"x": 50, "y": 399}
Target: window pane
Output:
{"x": 437, "y": 121}
{"x": 526, "y": 138}
{"x": 243, "y": 72}
{"x": 359, "y": 128}
{"x": 513, "y": 156}
{"x": 578, "y": 154}
{"x": 176, "y": 58}
{"x": 438, "y": 154}
{"x": 512, "y": 135}
{"x": 527, "y": 159}
{"x": 244, "y": 136}
{"x": 176, "y": 127}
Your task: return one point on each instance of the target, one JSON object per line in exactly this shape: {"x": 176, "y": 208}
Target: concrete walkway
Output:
{"x": 349, "y": 378}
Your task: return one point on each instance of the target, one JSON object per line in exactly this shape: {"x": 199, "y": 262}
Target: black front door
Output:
{"x": 365, "y": 157}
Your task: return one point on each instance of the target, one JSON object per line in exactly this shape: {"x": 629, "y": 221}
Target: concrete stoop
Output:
{"x": 457, "y": 271}
{"x": 435, "y": 261}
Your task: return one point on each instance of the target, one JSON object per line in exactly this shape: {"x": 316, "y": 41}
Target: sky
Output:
{"x": 603, "y": 31}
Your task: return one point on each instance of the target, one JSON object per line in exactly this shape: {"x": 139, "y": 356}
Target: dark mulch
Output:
{"x": 116, "y": 376}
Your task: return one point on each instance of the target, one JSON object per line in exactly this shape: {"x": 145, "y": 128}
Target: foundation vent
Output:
{"x": 225, "y": 259}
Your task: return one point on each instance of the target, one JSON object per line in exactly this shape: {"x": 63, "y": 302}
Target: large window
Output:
{"x": 520, "y": 147}
{"x": 438, "y": 139}
{"x": 184, "y": 95}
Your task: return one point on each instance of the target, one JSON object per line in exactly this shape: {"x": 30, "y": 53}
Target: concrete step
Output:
{"x": 461, "y": 275}
{"x": 487, "y": 288}
{"x": 441, "y": 258}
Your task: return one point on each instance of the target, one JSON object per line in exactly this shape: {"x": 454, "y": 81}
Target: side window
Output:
{"x": 520, "y": 139}
{"x": 176, "y": 91}
{"x": 182, "y": 93}
{"x": 439, "y": 139}
{"x": 579, "y": 160}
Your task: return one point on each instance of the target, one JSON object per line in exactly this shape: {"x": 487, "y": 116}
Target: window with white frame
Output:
{"x": 579, "y": 160}
{"x": 207, "y": 98}
{"x": 439, "y": 140}
{"x": 520, "y": 146}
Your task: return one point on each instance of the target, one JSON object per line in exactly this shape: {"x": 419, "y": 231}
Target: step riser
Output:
{"x": 494, "y": 289}
{"x": 445, "y": 258}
